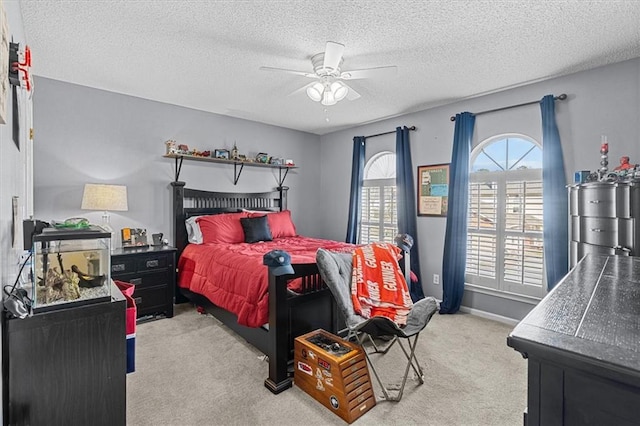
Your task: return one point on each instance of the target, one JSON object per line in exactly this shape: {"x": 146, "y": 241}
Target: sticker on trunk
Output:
{"x": 305, "y": 368}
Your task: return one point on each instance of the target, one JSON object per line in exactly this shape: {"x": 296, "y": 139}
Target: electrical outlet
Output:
{"x": 436, "y": 279}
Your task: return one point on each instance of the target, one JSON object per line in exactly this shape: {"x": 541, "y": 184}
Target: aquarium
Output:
{"x": 70, "y": 267}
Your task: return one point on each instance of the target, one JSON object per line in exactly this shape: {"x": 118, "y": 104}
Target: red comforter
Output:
{"x": 233, "y": 277}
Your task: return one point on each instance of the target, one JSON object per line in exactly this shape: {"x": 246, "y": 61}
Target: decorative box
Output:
{"x": 70, "y": 267}
{"x": 334, "y": 372}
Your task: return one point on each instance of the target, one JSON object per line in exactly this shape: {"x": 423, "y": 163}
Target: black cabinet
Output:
{"x": 582, "y": 343}
{"x": 66, "y": 366}
{"x": 153, "y": 272}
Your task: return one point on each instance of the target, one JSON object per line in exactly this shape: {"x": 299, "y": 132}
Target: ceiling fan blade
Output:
{"x": 303, "y": 89}
{"x": 369, "y": 73}
{"x": 303, "y": 73}
{"x": 352, "y": 95}
{"x": 333, "y": 55}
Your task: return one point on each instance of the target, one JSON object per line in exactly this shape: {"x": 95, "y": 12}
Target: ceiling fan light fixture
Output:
{"x": 339, "y": 90}
{"x": 315, "y": 91}
{"x": 328, "y": 98}
{"x": 327, "y": 70}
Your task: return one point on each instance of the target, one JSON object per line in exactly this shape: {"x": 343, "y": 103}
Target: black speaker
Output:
{"x": 31, "y": 227}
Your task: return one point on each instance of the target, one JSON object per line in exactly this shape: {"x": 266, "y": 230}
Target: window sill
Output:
{"x": 502, "y": 294}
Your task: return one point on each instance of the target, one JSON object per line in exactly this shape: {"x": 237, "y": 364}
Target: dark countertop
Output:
{"x": 592, "y": 315}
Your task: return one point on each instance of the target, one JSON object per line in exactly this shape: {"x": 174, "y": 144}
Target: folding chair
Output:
{"x": 335, "y": 270}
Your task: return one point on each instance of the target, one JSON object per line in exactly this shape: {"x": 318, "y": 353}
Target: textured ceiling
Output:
{"x": 206, "y": 54}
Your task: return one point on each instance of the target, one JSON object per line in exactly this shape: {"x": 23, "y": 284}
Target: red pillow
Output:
{"x": 281, "y": 224}
{"x": 222, "y": 228}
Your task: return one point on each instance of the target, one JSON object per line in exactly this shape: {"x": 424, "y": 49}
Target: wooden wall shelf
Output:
{"x": 236, "y": 163}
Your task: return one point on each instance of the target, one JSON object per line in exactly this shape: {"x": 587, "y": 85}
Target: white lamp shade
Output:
{"x": 328, "y": 98}
{"x": 104, "y": 197}
{"x": 339, "y": 90}
{"x": 315, "y": 91}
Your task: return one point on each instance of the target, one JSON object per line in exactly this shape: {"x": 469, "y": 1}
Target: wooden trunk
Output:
{"x": 334, "y": 372}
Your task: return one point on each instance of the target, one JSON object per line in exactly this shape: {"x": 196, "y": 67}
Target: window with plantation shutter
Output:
{"x": 481, "y": 243}
{"x": 504, "y": 242}
{"x": 379, "y": 220}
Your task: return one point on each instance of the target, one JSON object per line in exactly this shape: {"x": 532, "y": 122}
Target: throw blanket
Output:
{"x": 378, "y": 287}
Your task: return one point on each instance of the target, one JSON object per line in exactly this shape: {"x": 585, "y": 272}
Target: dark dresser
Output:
{"x": 66, "y": 366}
{"x": 153, "y": 272}
{"x": 582, "y": 342}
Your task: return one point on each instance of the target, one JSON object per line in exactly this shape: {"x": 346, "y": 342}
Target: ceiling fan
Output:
{"x": 329, "y": 87}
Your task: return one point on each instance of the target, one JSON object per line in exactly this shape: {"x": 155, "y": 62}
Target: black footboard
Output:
{"x": 293, "y": 315}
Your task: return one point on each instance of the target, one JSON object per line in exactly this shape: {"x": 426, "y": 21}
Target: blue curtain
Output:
{"x": 554, "y": 197}
{"x": 406, "y": 199}
{"x": 355, "y": 200}
{"x": 455, "y": 239}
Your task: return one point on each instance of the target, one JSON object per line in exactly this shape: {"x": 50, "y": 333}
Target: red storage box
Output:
{"x": 127, "y": 290}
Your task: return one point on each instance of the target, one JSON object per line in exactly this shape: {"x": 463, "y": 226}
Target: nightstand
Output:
{"x": 153, "y": 272}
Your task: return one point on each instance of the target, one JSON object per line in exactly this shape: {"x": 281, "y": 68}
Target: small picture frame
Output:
{"x": 222, "y": 154}
{"x": 134, "y": 238}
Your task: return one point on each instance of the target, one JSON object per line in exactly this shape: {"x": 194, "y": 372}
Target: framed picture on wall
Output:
{"x": 433, "y": 190}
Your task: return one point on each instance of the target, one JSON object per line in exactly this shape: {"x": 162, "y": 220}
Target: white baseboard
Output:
{"x": 489, "y": 315}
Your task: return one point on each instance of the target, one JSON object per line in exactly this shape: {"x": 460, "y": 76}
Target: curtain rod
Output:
{"x": 388, "y": 133}
{"x": 561, "y": 97}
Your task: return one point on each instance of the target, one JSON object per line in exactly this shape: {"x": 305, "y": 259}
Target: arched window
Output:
{"x": 504, "y": 244}
{"x": 379, "y": 221}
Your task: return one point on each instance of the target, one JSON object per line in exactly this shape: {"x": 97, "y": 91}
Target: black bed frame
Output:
{"x": 290, "y": 315}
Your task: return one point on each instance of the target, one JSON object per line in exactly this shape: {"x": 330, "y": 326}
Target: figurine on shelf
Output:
{"x": 263, "y": 158}
{"x": 624, "y": 164}
{"x": 234, "y": 152}
{"x": 171, "y": 146}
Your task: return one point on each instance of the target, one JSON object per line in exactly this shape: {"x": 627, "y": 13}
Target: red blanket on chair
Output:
{"x": 378, "y": 287}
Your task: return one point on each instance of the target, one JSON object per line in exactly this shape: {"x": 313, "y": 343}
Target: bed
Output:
{"x": 284, "y": 307}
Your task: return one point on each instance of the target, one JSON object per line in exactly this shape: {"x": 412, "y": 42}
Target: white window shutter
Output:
{"x": 505, "y": 243}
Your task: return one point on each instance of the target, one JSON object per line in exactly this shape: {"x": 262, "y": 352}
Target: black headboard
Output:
{"x": 193, "y": 202}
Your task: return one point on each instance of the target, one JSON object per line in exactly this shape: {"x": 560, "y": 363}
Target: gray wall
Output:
{"x": 86, "y": 135}
{"x": 605, "y": 101}
{"x": 12, "y": 171}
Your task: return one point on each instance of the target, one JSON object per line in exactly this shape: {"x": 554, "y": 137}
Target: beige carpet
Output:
{"x": 191, "y": 370}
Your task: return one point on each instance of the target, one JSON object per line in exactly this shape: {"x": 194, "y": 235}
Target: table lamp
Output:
{"x": 105, "y": 197}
